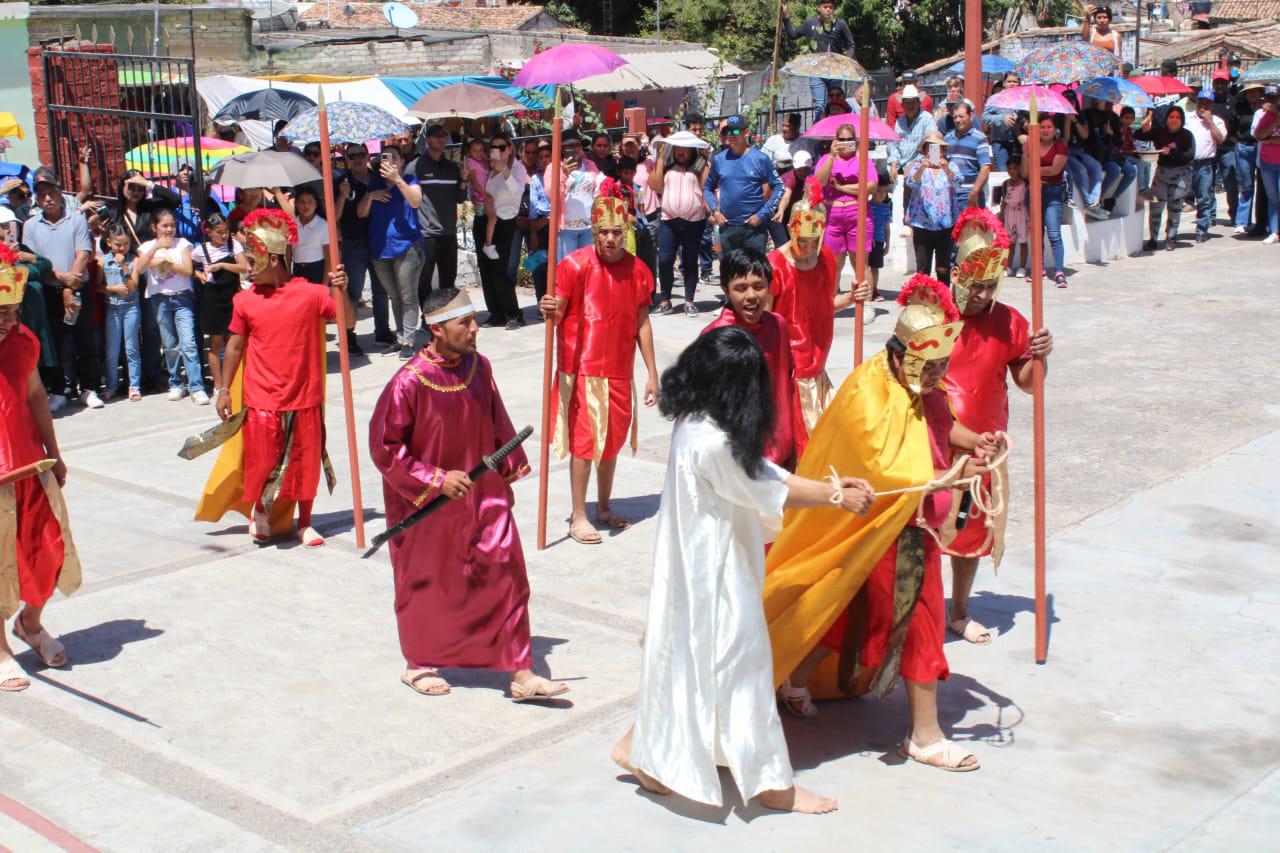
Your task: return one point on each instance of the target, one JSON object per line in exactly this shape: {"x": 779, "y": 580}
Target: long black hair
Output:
{"x": 723, "y": 375}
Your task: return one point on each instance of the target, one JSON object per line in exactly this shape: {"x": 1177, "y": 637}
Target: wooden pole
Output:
{"x": 973, "y": 53}
{"x": 1037, "y": 378}
{"x": 777, "y": 55}
{"x": 554, "y": 192}
{"x": 344, "y": 358}
{"x": 864, "y": 216}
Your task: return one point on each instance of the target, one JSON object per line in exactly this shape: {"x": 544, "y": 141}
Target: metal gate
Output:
{"x": 126, "y": 112}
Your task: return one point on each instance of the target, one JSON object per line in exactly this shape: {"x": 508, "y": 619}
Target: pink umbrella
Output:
{"x": 1019, "y": 98}
{"x": 828, "y": 127}
{"x": 567, "y": 63}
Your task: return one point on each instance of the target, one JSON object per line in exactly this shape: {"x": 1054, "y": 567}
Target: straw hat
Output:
{"x": 933, "y": 137}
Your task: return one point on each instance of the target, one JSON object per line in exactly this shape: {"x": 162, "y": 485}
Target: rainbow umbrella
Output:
{"x": 164, "y": 156}
{"x": 1019, "y": 98}
{"x": 1067, "y": 62}
{"x": 829, "y": 126}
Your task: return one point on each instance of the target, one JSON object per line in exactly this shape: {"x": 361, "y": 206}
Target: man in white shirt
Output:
{"x": 1209, "y": 132}
{"x": 788, "y": 141}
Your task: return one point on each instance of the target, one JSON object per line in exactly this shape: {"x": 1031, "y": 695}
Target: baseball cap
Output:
{"x": 1205, "y": 95}
{"x": 734, "y": 122}
{"x": 910, "y": 93}
{"x": 45, "y": 175}
{"x": 1222, "y": 74}
{"x": 7, "y": 215}
{"x": 435, "y": 130}
{"x": 1233, "y": 59}
{"x": 907, "y": 76}
{"x": 801, "y": 160}
{"x": 12, "y": 184}
{"x": 1271, "y": 91}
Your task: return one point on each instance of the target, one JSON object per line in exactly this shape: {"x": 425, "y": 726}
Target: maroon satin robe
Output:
{"x": 462, "y": 593}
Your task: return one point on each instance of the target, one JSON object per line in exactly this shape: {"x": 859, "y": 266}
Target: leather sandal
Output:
{"x": 797, "y": 701}
{"x": 49, "y": 650}
{"x": 952, "y": 755}
{"x": 536, "y": 689}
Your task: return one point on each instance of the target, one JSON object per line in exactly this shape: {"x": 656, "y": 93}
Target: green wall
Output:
{"x": 15, "y": 89}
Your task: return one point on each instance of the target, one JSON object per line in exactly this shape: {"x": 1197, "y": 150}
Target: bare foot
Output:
{"x": 621, "y": 756}
{"x": 797, "y": 799}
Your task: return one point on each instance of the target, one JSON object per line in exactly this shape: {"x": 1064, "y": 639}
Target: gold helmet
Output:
{"x": 609, "y": 209}
{"x": 982, "y": 250}
{"x": 928, "y": 326}
{"x": 809, "y": 215}
{"x": 13, "y": 276}
{"x": 266, "y": 233}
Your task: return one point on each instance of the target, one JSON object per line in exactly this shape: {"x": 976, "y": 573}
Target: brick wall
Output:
{"x": 72, "y": 82}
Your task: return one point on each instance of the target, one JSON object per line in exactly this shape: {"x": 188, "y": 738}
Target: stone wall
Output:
{"x": 222, "y": 34}
{"x": 390, "y": 57}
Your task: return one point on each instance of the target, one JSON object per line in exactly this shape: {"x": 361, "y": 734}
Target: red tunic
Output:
{"x": 977, "y": 386}
{"x": 806, "y": 301}
{"x": 284, "y": 357}
{"x": 596, "y": 350}
{"x": 38, "y": 535}
{"x": 770, "y": 334}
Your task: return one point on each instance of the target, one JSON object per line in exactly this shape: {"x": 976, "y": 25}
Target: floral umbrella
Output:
{"x": 164, "y": 156}
{"x": 349, "y": 121}
{"x": 1019, "y": 98}
{"x": 829, "y": 66}
{"x": 1263, "y": 72}
{"x": 1067, "y": 62}
{"x": 828, "y": 127}
{"x": 1117, "y": 90}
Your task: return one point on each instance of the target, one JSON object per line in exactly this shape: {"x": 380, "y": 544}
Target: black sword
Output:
{"x": 490, "y": 463}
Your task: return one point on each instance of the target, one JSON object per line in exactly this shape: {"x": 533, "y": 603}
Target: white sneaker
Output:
{"x": 1240, "y": 229}
{"x": 177, "y": 393}
{"x": 200, "y": 398}
{"x": 491, "y": 252}
{"x": 92, "y": 400}
{"x": 1274, "y": 238}
{"x": 56, "y": 402}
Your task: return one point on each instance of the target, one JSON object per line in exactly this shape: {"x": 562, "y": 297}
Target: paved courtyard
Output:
{"x": 226, "y": 697}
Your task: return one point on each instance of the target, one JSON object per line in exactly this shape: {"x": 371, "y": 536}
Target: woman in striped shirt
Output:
{"x": 684, "y": 215}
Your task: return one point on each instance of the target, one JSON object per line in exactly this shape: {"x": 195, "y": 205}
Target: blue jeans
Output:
{"x": 1225, "y": 171}
{"x": 176, "y": 317}
{"x": 684, "y": 236}
{"x": 355, "y": 260}
{"x": 1269, "y": 177}
{"x": 1086, "y": 172}
{"x": 1120, "y": 175}
{"x": 818, "y": 88}
{"x": 122, "y": 324}
{"x": 706, "y": 248}
{"x": 1051, "y": 200}
{"x": 999, "y": 158}
{"x": 570, "y": 240}
{"x": 1144, "y": 173}
{"x": 1246, "y": 165}
{"x": 1202, "y": 191}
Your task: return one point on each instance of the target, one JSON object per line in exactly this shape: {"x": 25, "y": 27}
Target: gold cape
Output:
{"x": 224, "y": 490}
{"x": 874, "y": 429}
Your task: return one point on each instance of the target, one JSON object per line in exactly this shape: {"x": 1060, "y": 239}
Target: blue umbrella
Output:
{"x": 1117, "y": 90}
{"x": 349, "y": 121}
{"x": 992, "y": 63}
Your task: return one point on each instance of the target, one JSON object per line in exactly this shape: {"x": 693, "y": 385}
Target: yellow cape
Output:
{"x": 224, "y": 490}
{"x": 874, "y": 429}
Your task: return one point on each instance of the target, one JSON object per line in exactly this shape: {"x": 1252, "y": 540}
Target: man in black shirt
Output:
{"x": 1224, "y": 166}
{"x": 830, "y": 35}
{"x": 442, "y": 192}
{"x": 354, "y": 249}
{"x": 1247, "y": 102}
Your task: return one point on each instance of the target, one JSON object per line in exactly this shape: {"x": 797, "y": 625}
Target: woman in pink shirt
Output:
{"x": 837, "y": 172}
{"x": 684, "y": 215}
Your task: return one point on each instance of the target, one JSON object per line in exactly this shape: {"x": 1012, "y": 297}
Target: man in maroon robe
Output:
{"x": 462, "y": 594}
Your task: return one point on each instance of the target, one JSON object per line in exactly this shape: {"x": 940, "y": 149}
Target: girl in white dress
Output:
{"x": 706, "y": 683}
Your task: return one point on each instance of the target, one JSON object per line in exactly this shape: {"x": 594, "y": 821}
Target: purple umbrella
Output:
{"x": 567, "y": 63}
{"x": 1019, "y": 98}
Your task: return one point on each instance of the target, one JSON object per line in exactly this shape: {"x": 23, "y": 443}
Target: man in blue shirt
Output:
{"x": 970, "y": 156}
{"x": 740, "y": 174}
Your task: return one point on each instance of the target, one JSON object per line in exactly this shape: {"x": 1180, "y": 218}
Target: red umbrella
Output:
{"x": 1156, "y": 86}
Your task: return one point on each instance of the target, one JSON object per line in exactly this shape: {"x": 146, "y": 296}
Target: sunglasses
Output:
{"x": 844, "y": 139}
{"x": 498, "y": 147}
{"x": 357, "y": 155}
{"x": 737, "y": 131}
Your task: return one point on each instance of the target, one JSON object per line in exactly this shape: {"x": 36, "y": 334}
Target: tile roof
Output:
{"x": 1258, "y": 37}
{"x": 429, "y": 16}
{"x": 1246, "y": 10}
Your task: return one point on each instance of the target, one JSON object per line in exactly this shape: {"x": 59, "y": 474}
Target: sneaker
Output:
{"x": 868, "y": 315}
{"x": 1060, "y": 278}
{"x": 134, "y": 395}
{"x": 1271, "y": 239}
{"x": 392, "y": 348}
{"x": 1168, "y": 245}
{"x": 1240, "y": 229}
{"x": 1096, "y": 212}
{"x": 177, "y": 393}
{"x": 491, "y": 252}
{"x": 108, "y": 396}
{"x": 1149, "y": 246}
{"x": 57, "y": 401}
{"x": 1202, "y": 237}
{"x": 353, "y": 345}
{"x": 512, "y": 324}
{"x": 200, "y": 398}
{"x": 92, "y": 400}
{"x": 665, "y": 308}
{"x": 1018, "y": 273}
{"x": 690, "y": 310}
{"x": 406, "y": 352}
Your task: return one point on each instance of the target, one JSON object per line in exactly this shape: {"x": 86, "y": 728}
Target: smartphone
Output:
{"x": 935, "y": 154}
{"x": 11, "y": 233}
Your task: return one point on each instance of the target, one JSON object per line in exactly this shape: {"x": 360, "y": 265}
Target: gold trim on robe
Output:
{"x": 874, "y": 429}
{"x": 598, "y": 408}
{"x": 69, "y": 577}
{"x": 815, "y": 395}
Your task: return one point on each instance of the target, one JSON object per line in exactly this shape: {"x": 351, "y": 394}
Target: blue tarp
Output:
{"x": 410, "y": 89}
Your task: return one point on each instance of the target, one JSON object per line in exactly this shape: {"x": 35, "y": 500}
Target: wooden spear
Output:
{"x": 344, "y": 358}
{"x": 548, "y": 341}
{"x": 1037, "y": 377}
{"x": 864, "y": 175}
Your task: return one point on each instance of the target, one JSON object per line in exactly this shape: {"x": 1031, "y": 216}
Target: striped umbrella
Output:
{"x": 164, "y": 156}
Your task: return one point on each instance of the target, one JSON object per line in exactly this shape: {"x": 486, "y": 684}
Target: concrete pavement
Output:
{"x": 223, "y": 697}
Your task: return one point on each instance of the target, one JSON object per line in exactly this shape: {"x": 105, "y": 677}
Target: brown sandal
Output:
{"x": 413, "y": 676}
{"x": 536, "y": 689}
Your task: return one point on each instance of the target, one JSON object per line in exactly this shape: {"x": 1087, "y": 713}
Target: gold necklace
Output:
{"x": 462, "y": 386}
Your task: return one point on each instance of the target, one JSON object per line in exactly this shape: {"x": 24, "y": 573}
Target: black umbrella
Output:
{"x": 265, "y": 105}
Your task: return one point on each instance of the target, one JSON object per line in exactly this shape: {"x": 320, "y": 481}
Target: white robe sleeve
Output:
{"x": 766, "y": 494}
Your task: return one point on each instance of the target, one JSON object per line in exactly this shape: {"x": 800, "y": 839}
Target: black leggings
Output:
{"x": 499, "y": 289}
{"x": 933, "y": 251}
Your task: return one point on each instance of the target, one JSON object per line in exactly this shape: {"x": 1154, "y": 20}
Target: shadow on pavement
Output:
{"x": 102, "y": 642}
{"x": 501, "y": 681}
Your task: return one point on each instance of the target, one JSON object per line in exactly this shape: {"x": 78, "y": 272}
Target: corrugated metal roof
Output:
{"x": 660, "y": 70}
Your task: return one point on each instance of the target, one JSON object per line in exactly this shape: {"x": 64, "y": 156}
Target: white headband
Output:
{"x": 460, "y": 307}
